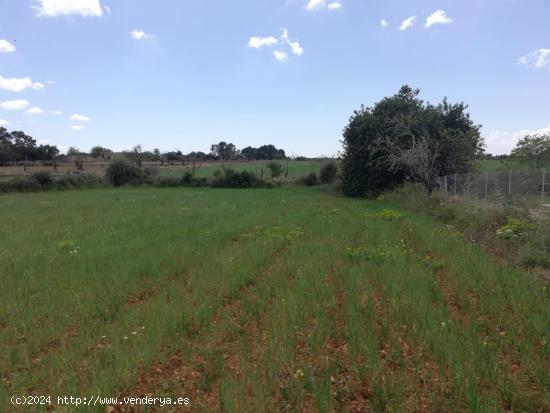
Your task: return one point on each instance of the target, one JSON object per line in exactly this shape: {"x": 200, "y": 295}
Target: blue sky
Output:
{"x": 179, "y": 74}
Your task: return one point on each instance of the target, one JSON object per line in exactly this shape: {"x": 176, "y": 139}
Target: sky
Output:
{"x": 181, "y": 74}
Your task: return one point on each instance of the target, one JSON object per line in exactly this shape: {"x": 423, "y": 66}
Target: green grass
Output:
{"x": 261, "y": 300}
{"x": 296, "y": 169}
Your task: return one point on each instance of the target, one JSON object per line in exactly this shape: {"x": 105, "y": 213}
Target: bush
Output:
{"x": 310, "y": 180}
{"x": 232, "y": 179}
{"x": 43, "y": 179}
{"x": 328, "y": 173}
{"x": 121, "y": 172}
{"x": 276, "y": 169}
{"x": 189, "y": 179}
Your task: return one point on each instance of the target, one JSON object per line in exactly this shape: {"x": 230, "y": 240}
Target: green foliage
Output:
{"x": 515, "y": 229}
{"x": 533, "y": 150}
{"x": 389, "y": 215}
{"x": 276, "y": 169}
{"x": 328, "y": 172}
{"x": 43, "y": 178}
{"x": 310, "y": 179}
{"x": 122, "y": 171}
{"x": 405, "y": 119}
{"x": 232, "y": 179}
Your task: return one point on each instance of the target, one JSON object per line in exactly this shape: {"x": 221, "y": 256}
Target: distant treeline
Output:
{"x": 17, "y": 146}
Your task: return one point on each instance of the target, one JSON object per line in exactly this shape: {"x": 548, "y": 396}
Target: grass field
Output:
{"x": 296, "y": 169}
{"x": 262, "y": 300}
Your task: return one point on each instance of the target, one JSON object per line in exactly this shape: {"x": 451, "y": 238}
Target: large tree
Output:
{"x": 533, "y": 150}
{"x": 402, "y": 138}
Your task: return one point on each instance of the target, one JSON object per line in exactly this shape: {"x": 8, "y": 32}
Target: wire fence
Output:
{"x": 528, "y": 188}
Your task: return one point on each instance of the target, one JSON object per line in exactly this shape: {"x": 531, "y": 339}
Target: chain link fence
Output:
{"x": 529, "y": 188}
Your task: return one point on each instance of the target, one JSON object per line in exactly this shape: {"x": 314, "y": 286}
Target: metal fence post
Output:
{"x": 510, "y": 183}
{"x": 543, "y": 184}
{"x": 486, "y": 183}
{"x": 468, "y": 186}
{"x": 446, "y": 189}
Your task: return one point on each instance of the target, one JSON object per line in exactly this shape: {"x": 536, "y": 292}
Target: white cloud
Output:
{"x": 107, "y": 9}
{"x": 259, "y": 42}
{"x": 408, "y": 22}
{"x": 52, "y": 8}
{"x": 4, "y": 122}
{"x": 284, "y": 42}
{"x": 438, "y": 17}
{"x": 18, "y": 104}
{"x": 321, "y": 4}
{"x": 19, "y": 84}
{"x": 384, "y": 23}
{"x": 35, "y": 110}
{"x": 539, "y": 59}
{"x": 80, "y": 118}
{"x": 280, "y": 55}
{"x": 141, "y": 35}
{"x": 77, "y": 127}
{"x": 56, "y": 112}
{"x": 6, "y": 47}
{"x": 296, "y": 48}
{"x": 502, "y": 142}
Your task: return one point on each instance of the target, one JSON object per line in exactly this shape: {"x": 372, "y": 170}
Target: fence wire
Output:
{"x": 523, "y": 188}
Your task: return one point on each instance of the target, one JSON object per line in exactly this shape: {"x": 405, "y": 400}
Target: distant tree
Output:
{"x": 402, "y": 138}
{"x": 72, "y": 151}
{"x": 223, "y": 151}
{"x": 276, "y": 169}
{"x": 100, "y": 152}
{"x": 533, "y": 150}
{"x": 136, "y": 155}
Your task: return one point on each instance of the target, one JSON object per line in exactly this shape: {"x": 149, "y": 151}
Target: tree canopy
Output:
{"x": 533, "y": 150}
{"x": 403, "y": 138}
{"x": 18, "y": 146}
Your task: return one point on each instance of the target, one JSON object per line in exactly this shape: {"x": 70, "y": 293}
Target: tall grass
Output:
{"x": 262, "y": 300}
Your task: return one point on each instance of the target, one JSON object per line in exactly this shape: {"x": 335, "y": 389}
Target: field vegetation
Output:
{"x": 289, "y": 299}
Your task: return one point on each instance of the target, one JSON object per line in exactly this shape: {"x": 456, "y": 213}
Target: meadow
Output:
{"x": 296, "y": 169}
{"x": 257, "y": 300}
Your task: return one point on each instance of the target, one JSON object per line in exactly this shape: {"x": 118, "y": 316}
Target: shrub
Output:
{"x": 515, "y": 229}
{"x": 389, "y": 215}
{"x": 328, "y": 173}
{"x": 43, "y": 178}
{"x": 310, "y": 180}
{"x": 189, "y": 179}
{"x": 232, "y": 179}
{"x": 276, "y": 169}
{"x": 121, "y": 172}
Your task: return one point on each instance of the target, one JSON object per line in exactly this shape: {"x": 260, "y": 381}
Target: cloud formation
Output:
{"x": 18, "y": 104}
{"x": 284, "y": 42}
{"x": 539, "y": 59}
{"x": 77, "y": 127}
{"x": 384, "y": 23}
{"x": 407, "y": 23}
{"x": 79, "y": 118}
{"x": 35, "y": 110}
{"x": 259, "y": 42}
{"x": 6, "y": 47}
{"x": 4, "y": 122}
{"x": 52, "y": 8}
{"x": 322, "y": 4}
{"x": 437, "y": 17}
{"x": 141, "y": 35}
{"x": 19, "y": 84}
